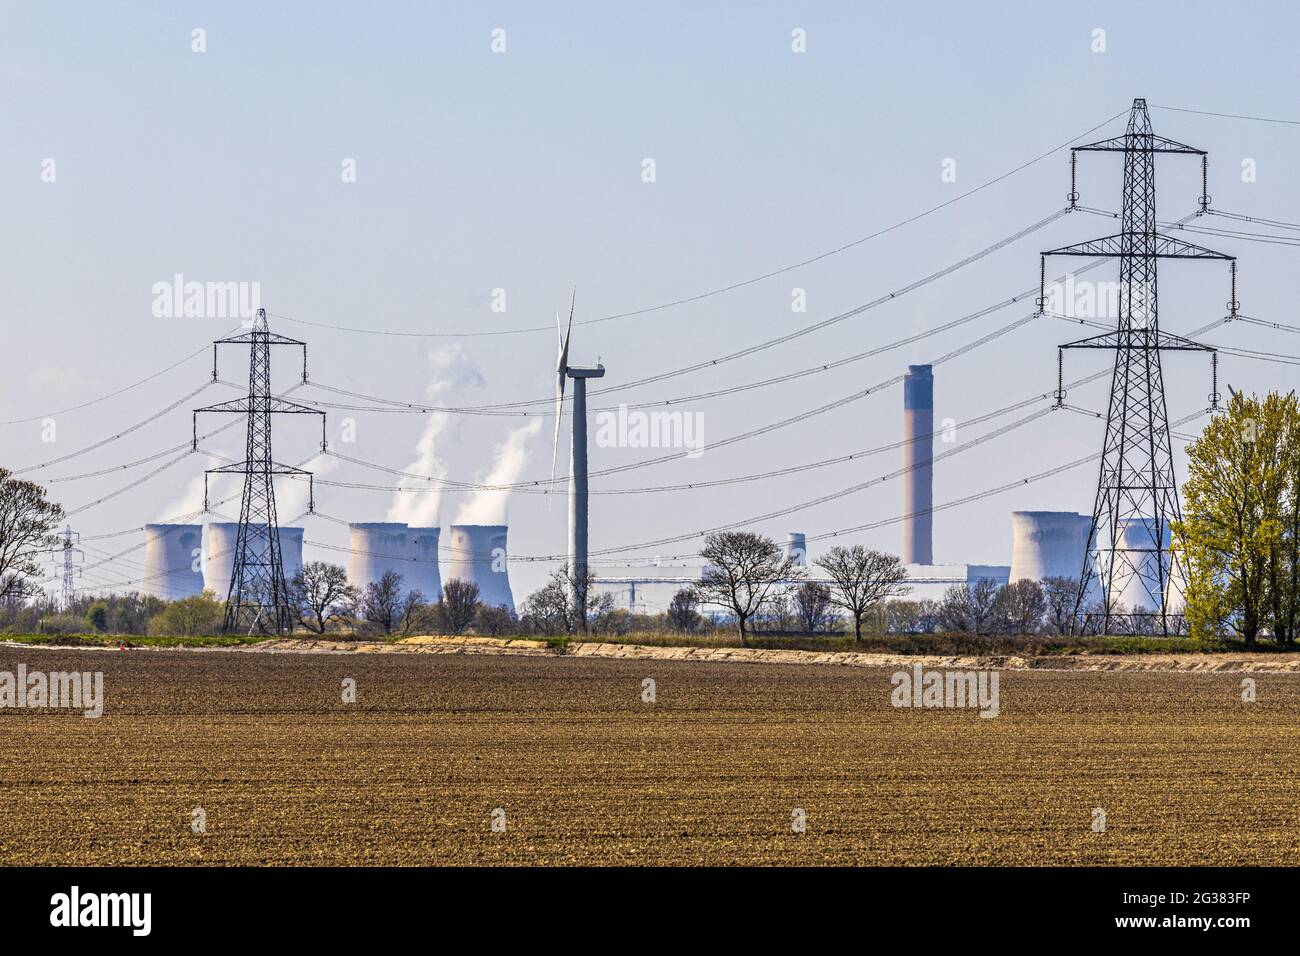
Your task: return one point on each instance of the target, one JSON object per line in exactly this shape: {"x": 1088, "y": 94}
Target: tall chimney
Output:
{"x": 918, "y": 459}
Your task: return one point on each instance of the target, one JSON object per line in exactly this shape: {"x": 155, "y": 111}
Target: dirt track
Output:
{"x": 588, "y": 773}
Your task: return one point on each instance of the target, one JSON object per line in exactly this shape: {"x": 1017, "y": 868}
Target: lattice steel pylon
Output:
{"x": 259, "y": 595}
{"x": 1130, "y": 557}
{"x": 67, "y": 548}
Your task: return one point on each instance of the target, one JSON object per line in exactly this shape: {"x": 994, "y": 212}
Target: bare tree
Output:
{"x": 27, "y": 520}
{"x": 861, "y": 579}
{"x": 458, "y": 606}
{"x": 385, "y": 606}
{"x": 742, "y": 571}
{"x": 495, "y": 620}
{"x": 812, "y": 602}
{"x": 1060, "y": 595}
{"x": 968, "y": 608}
{"x": 1020, "y": 606}
{"x": 321, "y": 592}
{"x": 551, "y": 608}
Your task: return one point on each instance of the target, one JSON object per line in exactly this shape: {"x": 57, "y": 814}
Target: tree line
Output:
{"x": 1238, "y": 545}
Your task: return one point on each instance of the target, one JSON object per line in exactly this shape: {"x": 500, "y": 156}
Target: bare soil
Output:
{"x": 586, "y": 772}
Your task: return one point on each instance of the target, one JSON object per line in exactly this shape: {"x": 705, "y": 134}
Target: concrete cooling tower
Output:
{"x": 478, "y": 554}
{"x": 424, "y": 573}
{"x": 291, "y": 552}
{"x": 918, "y": 459}
{"x": 1048, "y": 544}
{"x": 1141, "y": 591}
{"x": 171, "y": 561}
{"x": 219, "y": 555}
{"x": 379, "y": 546}
{"x": 797, "y": 548}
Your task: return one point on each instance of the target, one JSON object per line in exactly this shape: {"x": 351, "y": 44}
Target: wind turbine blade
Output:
{"x": 561, "y": 374}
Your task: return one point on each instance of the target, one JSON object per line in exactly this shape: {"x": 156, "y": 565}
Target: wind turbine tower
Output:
{"x": 578, "y": 473}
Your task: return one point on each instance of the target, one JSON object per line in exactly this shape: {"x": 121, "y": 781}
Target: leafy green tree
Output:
{"x": 97, "y": 617}
{"x": 682, "y": 612}
{"x": 200, "y": 614}
{"x": 1238, "y": 535}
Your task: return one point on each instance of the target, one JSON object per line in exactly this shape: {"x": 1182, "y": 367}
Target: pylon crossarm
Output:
{"x": 240, "y": 467}
{"x": 239, "y": 405}
{"x": 1165, "y": 247}
{"x": 286, "y": 407}
{"x": 1151, "y": 143}
{"x": 270, "y": 338}
{"x": 1141, "y": 340}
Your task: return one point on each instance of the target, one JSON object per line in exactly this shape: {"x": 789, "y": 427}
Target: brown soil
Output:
{"x": 588, "y": 773}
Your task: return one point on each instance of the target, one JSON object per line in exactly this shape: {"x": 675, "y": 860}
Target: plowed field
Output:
{"x": 585, "y": 771}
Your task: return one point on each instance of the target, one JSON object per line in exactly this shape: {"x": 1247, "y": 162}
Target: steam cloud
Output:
{"x": 489, "y": 506}
{"x": 449, "y": 368}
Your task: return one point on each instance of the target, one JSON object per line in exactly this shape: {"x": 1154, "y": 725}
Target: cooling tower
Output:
{"x": 171, "y": 561}
{"x": 376, "y": 547}
{"x": 424, "y": 573}
{"x": 797, "y": 548}
{"x": 1141, "y": 591}
{"x": 219, "y": 555}
{"x": 291, "y": 553}
{"x": 1048, "y": 544}
{"x": 478, "y": 554}
{"x": 918, "y": 459}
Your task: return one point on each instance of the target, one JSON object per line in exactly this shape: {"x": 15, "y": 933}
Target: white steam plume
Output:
{"x": 450, "y": 369}
{"x": 489, "y": 506}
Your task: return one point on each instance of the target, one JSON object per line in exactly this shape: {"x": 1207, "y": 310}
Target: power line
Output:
{"x": 833, "y": 496}
{"x": 1240, "y": 116}
{"x": 988, "y": 492}
{"x": 1241, "y": 217}
{"x": 745, "y": 352}
{"x": 733, "y": 286}
{"x": 104, "y": 398}
{"x": 444, "y": 483}
{"x": 112, "y": 438}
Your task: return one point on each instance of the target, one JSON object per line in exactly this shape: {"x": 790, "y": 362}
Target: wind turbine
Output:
{"x": 578, "y": 473}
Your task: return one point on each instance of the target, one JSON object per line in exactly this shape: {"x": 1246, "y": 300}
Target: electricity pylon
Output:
{"x": 1129, "y": 553}
{"x": 67, "y": 547}
{"x": 259, "y": 595}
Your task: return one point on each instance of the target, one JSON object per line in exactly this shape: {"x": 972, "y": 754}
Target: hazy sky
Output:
{"x": 522, "y": 170}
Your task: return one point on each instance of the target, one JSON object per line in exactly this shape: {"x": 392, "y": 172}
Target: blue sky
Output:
{"x": 522, "y": 170}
